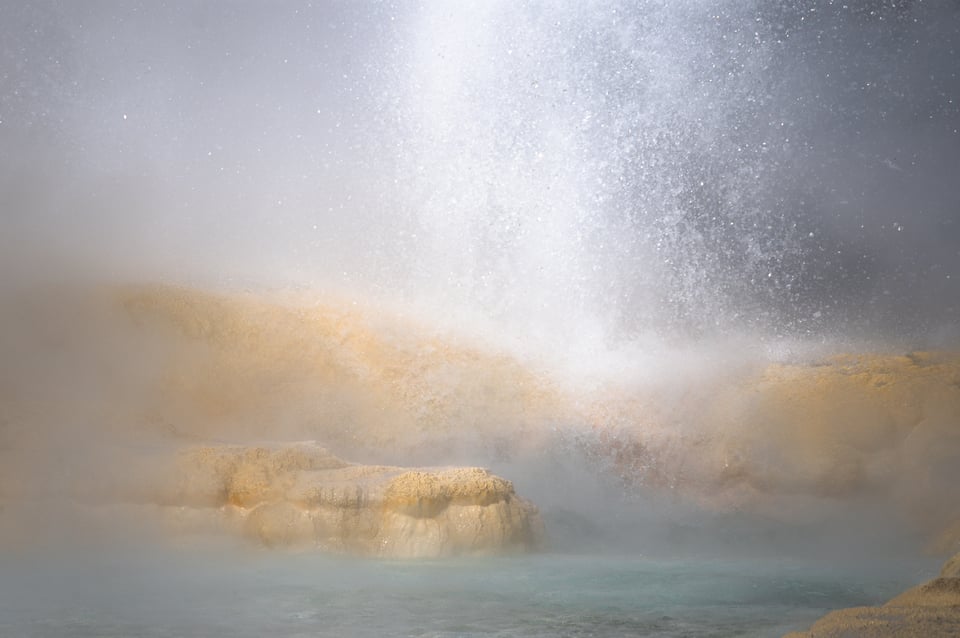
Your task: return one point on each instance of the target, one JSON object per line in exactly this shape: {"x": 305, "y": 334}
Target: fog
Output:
{"x": 189, "y": 140}
{"x": 712, "y": 167}
{"x": 670, "y": 267}
{"x": 639, "y": 201}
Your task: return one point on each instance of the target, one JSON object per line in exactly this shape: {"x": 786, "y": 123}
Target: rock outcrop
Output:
{"x": 788, "y": 440}
{"x": 93, "y": 382}
{"x": 301, "y": 495}
{"x": 931, "y": 610}
{"x": 326, "y": 365}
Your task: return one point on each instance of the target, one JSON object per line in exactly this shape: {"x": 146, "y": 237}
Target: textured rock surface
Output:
{"x": 931, "y": 610}
{"x": 94, "y": 382}
{"x": 729, "y": 433}
{"x": 786, "y": 439}
{"x": 302, "y": 495}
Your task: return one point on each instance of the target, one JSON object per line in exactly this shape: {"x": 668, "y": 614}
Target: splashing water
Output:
{"x": 599, "y": 171}
{"x": 616, "y": 213}
{"x": 616, "y": 170}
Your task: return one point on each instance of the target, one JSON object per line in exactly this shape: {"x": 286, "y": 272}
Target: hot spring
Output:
{"x": 686, "y": 274}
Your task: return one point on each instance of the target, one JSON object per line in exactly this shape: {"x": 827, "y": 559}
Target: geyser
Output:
{"x": 634, "y": 169}
{"x": 686, "y": 273}
{"x": 680, "y": 169}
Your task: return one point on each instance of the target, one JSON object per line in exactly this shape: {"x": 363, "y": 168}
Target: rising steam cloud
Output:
{"x": 661, "y": 182}
{"x": 604, "y": 168}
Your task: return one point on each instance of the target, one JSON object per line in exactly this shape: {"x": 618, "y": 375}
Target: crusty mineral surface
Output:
{"x": 302, "y": 495}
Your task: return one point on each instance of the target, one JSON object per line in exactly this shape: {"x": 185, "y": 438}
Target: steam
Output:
{"x": 710, "y": 167}
{"x": 652, "y": 169}
{"x": 643, "y": 190}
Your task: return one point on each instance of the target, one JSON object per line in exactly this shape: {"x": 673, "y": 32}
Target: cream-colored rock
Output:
{"x": 94, "y": 382}
{"x": 856, "y": 428}
{"x": 279, "y": 523}
{"x": 931, "y": 610}
{"x": 302, "y": 495}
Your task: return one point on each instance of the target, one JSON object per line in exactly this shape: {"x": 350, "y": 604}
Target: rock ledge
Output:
{"x": 301, "y": 495}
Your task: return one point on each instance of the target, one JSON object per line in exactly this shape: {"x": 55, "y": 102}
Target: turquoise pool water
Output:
{"x": 220, "y": 592}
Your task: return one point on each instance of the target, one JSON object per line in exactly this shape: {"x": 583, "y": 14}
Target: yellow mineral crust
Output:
{"x": 423, "y": 494}
{"x": 301, "y": 495}
{"x": 242, "y": 367}
{"x": 852, "y": 428}
{"x": 96, "y": 386}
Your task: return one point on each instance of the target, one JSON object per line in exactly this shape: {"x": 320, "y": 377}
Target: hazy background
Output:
{"x": 611, "y": 170}
{"x": 583, "y": 178}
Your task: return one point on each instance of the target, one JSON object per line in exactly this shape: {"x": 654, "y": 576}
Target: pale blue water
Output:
{"x": 191, "y": 592}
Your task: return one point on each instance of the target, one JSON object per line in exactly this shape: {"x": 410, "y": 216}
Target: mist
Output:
{"x": 687, "y": 273}
{"x": 646, "y": 169}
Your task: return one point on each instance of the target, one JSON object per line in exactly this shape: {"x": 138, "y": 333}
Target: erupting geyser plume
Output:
{"x": 634, "y": 169}
{"x": 681, "y": 169}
